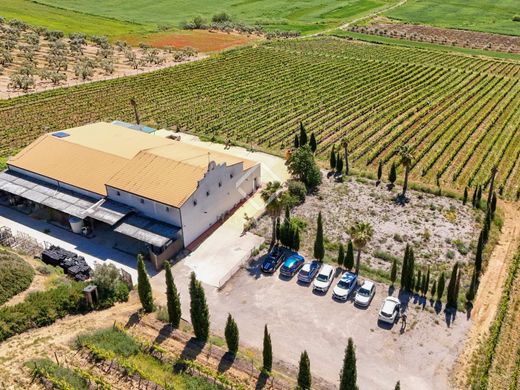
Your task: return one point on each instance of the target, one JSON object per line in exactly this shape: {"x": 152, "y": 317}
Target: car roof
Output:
{"x": 292, "y": 259}
{"x": 326, "y": 268}
{"x": 348, "y": 277}
{"x": 368, "y": 284}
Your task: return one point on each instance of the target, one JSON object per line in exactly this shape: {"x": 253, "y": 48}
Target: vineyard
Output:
{"x": 459, "y": 114}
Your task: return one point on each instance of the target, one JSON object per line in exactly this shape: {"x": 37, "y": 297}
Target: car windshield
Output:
{"x": 343, "y": 284}
{"x": 322, "y": 278}
{"x": 303, "y": 273}
{"x": 364, "y": 292}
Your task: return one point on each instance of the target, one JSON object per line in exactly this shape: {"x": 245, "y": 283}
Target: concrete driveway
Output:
{"x": 299, "y": 319}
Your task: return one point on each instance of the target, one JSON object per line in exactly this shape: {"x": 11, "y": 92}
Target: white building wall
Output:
{"x": 55, "y": 182}
{"x": 222, "y": 188}
{"x": 150, "y": 208}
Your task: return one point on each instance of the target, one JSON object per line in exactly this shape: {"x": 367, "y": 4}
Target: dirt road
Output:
{"x": 490, "y": 289}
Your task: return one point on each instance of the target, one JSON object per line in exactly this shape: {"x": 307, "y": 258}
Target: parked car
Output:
{"x": 389, "y": 312}
{"x": 309, "y": 271}
{"x": 324, "y": 278}
{"x": 273, "y": 260}
{"x": 346, "y": 285}
{"x": 365, "y": 293}
{"x": 291, "y": 265}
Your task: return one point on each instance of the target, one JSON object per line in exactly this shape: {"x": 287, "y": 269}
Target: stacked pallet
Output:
{"x": 72, "y": 264}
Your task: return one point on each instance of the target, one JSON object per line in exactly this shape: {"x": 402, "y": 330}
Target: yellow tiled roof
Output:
{"x": 100, "y": 154}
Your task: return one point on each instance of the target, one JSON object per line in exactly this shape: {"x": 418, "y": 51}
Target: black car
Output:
{"x": 272, "y": 261}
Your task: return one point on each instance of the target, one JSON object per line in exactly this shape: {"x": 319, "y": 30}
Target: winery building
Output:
{"x": 155, "y": 195}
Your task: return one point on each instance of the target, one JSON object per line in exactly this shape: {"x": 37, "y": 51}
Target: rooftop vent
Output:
{"x": 60, "y": 134}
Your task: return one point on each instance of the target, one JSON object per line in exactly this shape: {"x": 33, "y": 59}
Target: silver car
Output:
{"x": 365, "y": 294}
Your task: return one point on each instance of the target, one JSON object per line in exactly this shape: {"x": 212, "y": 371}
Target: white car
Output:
{"x": 345, "y": 287}
{"x": 324, "y": 278}
{"x": 390, "y": 310}
{"x": 365, "y": 294}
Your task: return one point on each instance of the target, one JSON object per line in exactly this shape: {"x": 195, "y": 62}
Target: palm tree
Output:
{"x": 344, "y": 145}
{"x": 273, "y": 204}
{"x": 406, "y": 160}
{"x": 361, "y": 234}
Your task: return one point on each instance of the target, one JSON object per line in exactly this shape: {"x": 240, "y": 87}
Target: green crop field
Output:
{"x": 495, "y": 16}
{"x": 300, "y": 15}
{"x": 459, "y": 114}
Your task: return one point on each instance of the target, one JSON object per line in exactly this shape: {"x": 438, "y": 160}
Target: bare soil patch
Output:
{"x": 441, "y": 230}
{"x": 444, "y": 36}
{"x": 202, "y": 40}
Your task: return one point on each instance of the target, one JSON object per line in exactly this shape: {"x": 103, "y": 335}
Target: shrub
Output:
{"x": 297, "y": 190}
{"x": 110, "y": 339}
{"x": 60, "y": 376}
{"x": 221, "y": 17}
{"x": 516, "y": 18}
{"x": 41, "y": 309}
{"x": 15, "y": 275}
{"x": 111, "y": 288}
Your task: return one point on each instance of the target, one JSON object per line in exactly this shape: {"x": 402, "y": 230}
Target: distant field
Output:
{"x": 459, "y": 114}
{"x": 495, "y": 16}
{"x": 67, "y": 21}
{"x": 301, "y": 15}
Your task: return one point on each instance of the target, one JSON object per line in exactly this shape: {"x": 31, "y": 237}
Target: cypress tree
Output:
{"x": 303, "y": 135}
{"x": 296, "y": 239}
{"x": 493, "y": 205}
{"x": 393, "y": 271}
{"x": 199, "y": 309}
{"x": 392, "y": 175}
{"x": 478, "y": 255}
{"x": 277, "y": 230}
{"x": 143, "y": 286}
{"x": 418, "y": 284}
{"x": 319, "y": 249}
{"x": 347, "y": 165}
{"x": 341, "y": 255}
{"x": 474, "y": 199}
{"x": 485, "y": 232}
{"x": 465, "y": 199}
{"x": 172, "y": 298}
{"x": 427, "y": 284}
{"x": 287, "y": 213}
{"x": 411, "y": 268}
{"x": 457, "y": 288}
{"x": 349, "y": 257}
{"x": 296, "y": 141}
{"x": 304, "y": 372}
{"x": 267, "y": 353}
{"x": 452, "y": 286}
{"x": 332, "y": 158}
{"x": 379, "y": 172}
{"x": 313, "y": 144}
{"x": 423, "y": 288}
{"x": 434, "y": 289}
{"x": 348, "y": 376}
{"x": 479, "y": 197}
{"x": 440, "y": 286}
{"x": 397, "y": 386}
{"x": 231, "y": 334}
{"x": 404, "y": 270}
{"x": 470, "y": 294}
{"x": 339, "y": 163}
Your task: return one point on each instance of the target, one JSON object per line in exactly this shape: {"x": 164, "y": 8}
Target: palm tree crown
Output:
{"x": 361, "y": 234}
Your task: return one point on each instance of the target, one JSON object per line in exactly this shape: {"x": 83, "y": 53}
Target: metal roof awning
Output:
{"x": 147, "y": 230}
{"x": 46, "y": 194}
{"x": 108, "y": 211}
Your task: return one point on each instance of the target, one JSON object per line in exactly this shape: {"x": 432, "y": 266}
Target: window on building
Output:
{"x": 220, "y": 184}
{"x": 194, "y": 202}
{"x": 118, "y": 193}
{"x": 231, "y": 176}
{"x": 167, "y": 209}
{"x": 142, "y": 200}
{"x": 207, "y": 193}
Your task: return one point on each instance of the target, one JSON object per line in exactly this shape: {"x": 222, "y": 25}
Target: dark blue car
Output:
{"x": 272, "y": 261}
{"x": 292, "y": 265}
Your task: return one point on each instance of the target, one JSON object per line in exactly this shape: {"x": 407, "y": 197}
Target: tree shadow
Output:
{"x": 164, "y": 333}
{"x": 133, "y": 320}
{"x": 391, "y": 290}
{"x": 404, "y": 297}
{"x": 253, "y": 268}
{"x": 437, "y": 307}
{"x": 469, "y": 308}
{"x": 262, "y": 381}
{"x": 449, "y": 315}
{"x": 191, "y": 350}
{"x": 226, "y": 362}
